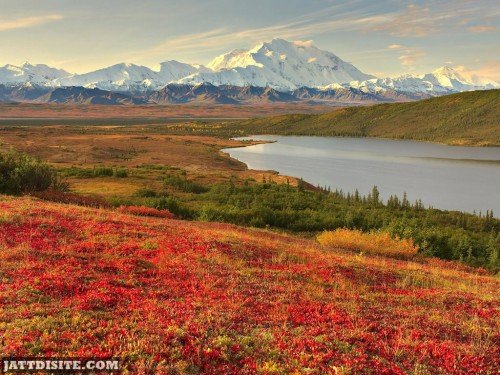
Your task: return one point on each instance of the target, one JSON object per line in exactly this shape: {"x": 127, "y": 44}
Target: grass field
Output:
{"x": 168, "y": 296}
{"x": 93, "y": 112}
{"x": 137, "y": 148}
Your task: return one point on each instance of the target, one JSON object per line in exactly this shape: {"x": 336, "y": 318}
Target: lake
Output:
{"x": 446, "y": 177}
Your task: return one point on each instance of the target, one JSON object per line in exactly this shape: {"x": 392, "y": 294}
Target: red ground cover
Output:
{"x": 170, "y": 296}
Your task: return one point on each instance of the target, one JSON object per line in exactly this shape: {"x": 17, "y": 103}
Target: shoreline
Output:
{"x": 312, "y": 186}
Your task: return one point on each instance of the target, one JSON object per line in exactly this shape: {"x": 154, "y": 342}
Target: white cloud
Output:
{"x": 408, "y": 56}
{"x": 26, "y": 22}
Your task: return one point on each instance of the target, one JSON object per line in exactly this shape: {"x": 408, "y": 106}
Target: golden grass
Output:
{"x": 372, "y": 243}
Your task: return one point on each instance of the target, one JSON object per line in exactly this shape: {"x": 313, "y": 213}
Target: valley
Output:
{"x": 179, "y": 165}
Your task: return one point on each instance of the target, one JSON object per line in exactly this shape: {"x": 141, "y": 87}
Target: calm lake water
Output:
{"x": 447, "y": 177}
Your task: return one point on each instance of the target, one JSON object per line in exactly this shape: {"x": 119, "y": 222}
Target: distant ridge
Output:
{"x": 470, "y": 118}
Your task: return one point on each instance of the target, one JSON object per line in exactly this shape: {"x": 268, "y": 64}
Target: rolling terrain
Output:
{"x": 170, "y": 296}
{"x": 470, "y": 118}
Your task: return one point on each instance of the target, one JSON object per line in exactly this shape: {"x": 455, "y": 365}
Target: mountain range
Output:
{"x": 278, "y": 70}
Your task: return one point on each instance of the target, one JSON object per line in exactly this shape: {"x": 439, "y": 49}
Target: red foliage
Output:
{"x": 178, "y": 297}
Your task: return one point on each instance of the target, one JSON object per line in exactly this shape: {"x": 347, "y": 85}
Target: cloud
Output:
{"x": 486, "y": 73}
{"x": 215, "y": 39}
{"x": 481, "y": 29}
{"x": 408, "y": 55}
{"x": 26, "y": 22}
{"x": 436, "y": 17}
{"x": 415, "y": 21}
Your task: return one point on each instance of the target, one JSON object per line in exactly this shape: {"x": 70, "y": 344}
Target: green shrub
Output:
{"x": 184, "y": 185}
{"x": 103, "y": 172}
{"x": 21, "y": 173}
{"x": 171, "y": 204}
{"x": 95, "y": 172}
{"x": 121, "y": 173}
{"x": 145, "y": 193}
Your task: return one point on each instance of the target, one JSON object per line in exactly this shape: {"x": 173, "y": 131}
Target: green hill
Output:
{"x": 471, "y": 118}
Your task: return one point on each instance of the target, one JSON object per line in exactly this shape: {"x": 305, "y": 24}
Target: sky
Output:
{"x": 380, "y": 37}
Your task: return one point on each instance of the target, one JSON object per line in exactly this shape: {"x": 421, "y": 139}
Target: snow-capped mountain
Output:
{"x": 119, "y": 77}
{"x": 39, "y": 74}
{"x": 279, "y": 64}
{"x": 173, "y": 71}
{"x": 131, "y": 77}
{"x": 299, "y": 69}
{"x": 441, "y": 81}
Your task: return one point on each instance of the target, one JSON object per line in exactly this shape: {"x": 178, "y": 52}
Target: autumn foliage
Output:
{"x": 145, "y": 211}
{"x": 173, "y": 297}
{"x": 371, "y": 243}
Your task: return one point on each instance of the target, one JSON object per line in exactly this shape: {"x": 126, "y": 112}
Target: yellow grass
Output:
{"x": 372, "y": 243}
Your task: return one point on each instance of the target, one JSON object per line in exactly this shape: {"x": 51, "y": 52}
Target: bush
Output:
{"x": 21, "y": 173}
{"x": 103, "y": 172}
{"x": 72, "y": 198}
{"x": 95, "y": 172}
{"x": 146, "y": 211}
{"x": 121, "y": 173}
{"x": 171, "y": 204}
{"x": 145, "y": 193}
{"x": 184, "y": 185}
{"x": 372, "y": 243}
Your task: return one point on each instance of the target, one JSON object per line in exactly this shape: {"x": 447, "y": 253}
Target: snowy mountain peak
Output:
{"x": 449, "y": 72}
{"x": 227, "y": 60}
{"x": 173, "y": 70}
{"x": 279, "y": 64}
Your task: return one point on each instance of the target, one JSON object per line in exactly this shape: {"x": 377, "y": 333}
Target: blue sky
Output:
{"x": 382, "y": 37}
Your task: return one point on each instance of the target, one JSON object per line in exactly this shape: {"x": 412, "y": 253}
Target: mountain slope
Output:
{"x": 442, "y": 81}
{"x": 465, "y": 118}
{"x": 39, "y": 74}
{"x": 81, "y": 95}
{"x": 119, "y": 77}
{"x": 131, "y": 77}
{"x": 209, "y": 298}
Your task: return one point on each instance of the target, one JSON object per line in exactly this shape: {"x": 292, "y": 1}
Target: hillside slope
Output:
{"x": 470, "y": 118}
{"x": 168, "y": 296}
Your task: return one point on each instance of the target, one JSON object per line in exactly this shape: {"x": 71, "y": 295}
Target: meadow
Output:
{"x": 180, "y": 297}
